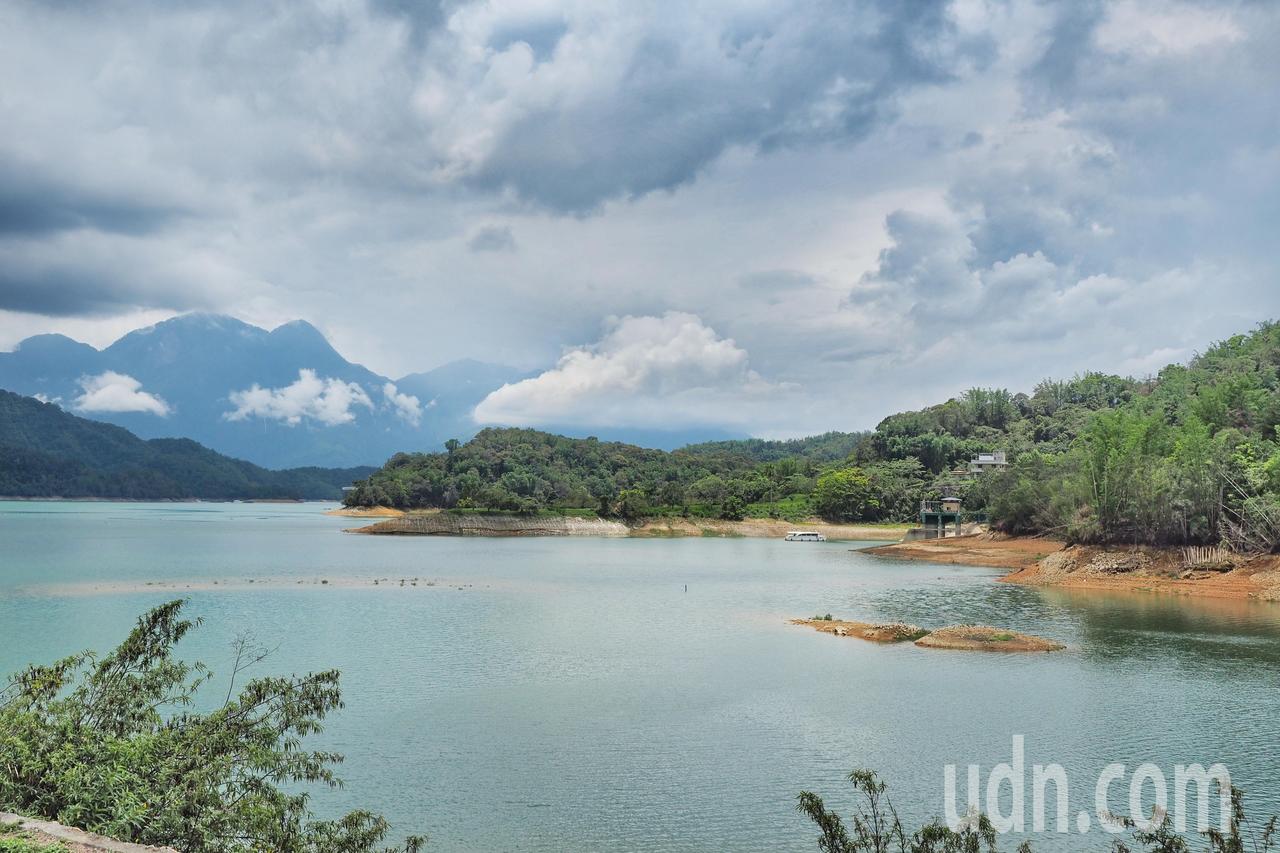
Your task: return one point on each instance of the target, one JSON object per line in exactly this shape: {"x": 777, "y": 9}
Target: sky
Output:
{"x": 777, "y": 218}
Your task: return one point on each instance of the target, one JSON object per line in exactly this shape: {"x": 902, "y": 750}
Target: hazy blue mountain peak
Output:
{"x": 52, "y": 342}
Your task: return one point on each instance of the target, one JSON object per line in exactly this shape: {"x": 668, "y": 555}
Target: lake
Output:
{"x": 570, "y": 694}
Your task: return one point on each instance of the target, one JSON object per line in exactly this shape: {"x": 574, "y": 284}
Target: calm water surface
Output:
{"x": 555, "y": 694}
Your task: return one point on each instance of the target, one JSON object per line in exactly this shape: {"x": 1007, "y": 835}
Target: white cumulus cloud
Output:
{"x": 406, "y": 406}
{"x": 666, "y": 372}
{"x": 326, "y": 400}
{"x": 117, "y": 392}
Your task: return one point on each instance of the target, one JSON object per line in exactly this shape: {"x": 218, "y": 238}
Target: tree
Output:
{"x": 844, "y": 494}
{"x": 109, "y": 745}
{"x": 632, "y": 504}
{"x": 898, "y": 487}
{"x": 733, "y": 509}
{"x": 877, "y": 828}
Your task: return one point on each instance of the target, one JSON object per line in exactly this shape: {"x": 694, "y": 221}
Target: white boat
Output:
{"x": 805, "y": 536}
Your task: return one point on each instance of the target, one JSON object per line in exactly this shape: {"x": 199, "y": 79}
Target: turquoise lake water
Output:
{"x": 569, "y": 694}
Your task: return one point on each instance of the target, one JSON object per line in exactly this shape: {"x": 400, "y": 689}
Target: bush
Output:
{"x": 733, "y": 509}
{"x": 108, "y": 745}
{"x": 877, "y": 829}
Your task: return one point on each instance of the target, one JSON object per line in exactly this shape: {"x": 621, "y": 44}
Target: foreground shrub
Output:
{"x": 877, "y": 829}
{"x": 107, "y": 745}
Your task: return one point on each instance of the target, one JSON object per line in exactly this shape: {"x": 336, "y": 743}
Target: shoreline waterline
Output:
{"x": 392, "y": 522}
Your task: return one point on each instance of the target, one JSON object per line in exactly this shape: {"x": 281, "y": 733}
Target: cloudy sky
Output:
{"x": 780, "y": 217}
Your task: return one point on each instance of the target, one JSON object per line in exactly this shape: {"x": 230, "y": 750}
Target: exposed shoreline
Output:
{"x": 1049, "y": 562}
{"x": 391, "y": 522}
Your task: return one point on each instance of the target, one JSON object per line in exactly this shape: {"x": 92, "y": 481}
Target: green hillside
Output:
{"x": 47, "y": 452}
{"x": 527, "y": 470}
{"x": 1189, "y": 456}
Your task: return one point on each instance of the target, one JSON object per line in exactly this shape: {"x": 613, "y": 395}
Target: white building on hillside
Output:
{"x": 994, "y": 461}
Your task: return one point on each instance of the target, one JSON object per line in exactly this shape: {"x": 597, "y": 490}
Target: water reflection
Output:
{"x": 1178, "y": 631}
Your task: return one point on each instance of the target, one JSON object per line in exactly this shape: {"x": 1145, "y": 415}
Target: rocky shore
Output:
{"x": 451, "y": 524}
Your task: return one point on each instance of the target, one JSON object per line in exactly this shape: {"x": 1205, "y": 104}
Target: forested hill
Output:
{"x": 46, "y": 452}
{"x": 1190, "y": 456}
{"x": 527, "y": 470}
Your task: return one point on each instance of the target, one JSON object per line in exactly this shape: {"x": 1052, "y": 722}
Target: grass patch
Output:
{"x": 14, "y": 839}
{"x": 1001, "y": 638}
{"x": 791, "y": 508}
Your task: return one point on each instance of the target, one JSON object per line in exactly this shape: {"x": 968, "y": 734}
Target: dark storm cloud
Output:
{"x": 780, "y": 79}
{"x": 31, "y": 203}
{"x": 67, "y": 291}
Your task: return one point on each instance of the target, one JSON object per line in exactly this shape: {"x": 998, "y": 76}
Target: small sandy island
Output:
{"x": 889, "y": 632}
{"x": 965, "y": 637}
{"x": 1049, "y": 562}
{"x": 983, "y": 638}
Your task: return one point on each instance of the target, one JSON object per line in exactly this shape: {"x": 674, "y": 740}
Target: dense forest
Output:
{"x": 1190, "y": 456}
{"x": 524, "y": 470}
{"x": 46, "y": 452}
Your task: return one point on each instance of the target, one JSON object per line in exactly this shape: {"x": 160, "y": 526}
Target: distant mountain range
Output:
{"x": 281, "y": 398}
{"x": 46, "y": 452}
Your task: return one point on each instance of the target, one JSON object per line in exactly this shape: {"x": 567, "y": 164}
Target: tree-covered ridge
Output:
{"x": 1190, "y": 457}
{"x": 984, "y": 419}
{"x": 46, "y": 452}
{"x": 527, "y": 470}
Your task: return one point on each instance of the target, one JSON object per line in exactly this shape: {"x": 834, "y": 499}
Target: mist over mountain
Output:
{"x": 279, "y": 398}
